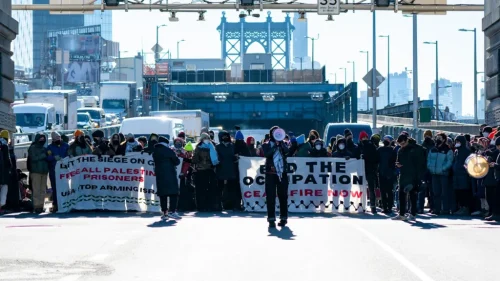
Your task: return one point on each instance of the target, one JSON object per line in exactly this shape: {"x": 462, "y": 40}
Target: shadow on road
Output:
{"x": 284, "y": 233}
{"x": 158, "y": 224}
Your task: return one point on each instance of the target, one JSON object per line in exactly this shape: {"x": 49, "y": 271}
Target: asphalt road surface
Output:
{"x": 239, "y": 247}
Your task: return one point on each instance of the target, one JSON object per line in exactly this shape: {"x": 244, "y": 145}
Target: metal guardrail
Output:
{"x": 417, "y": 134}
{"x": 21, "y": 149}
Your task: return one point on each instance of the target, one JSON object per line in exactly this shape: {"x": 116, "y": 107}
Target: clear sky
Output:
{"x": 340, "y": 41}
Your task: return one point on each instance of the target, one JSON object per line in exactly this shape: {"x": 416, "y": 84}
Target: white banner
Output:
{"x": 315, "y": 184}
{"x": 119, "y": 183}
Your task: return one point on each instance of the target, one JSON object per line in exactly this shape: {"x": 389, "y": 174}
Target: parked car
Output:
{"x": 112, "y": 119}
{"x": 84, "y": 121}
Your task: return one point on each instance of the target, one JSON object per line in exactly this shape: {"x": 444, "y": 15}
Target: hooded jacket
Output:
{"x": 341, "y": 153}
{"x": 318, "y": 153}
{"x": 37, "y": 154}
{"x": 78, "y": 149}
{"x": 251, "y": 147}
{"x": 60, "y": 150}
{"x": 411, "y": 158}
{"x": 226, "y": 170}
{"x": 370, "y": 156}
{"x": 440, "y": 160}
{"x": 387, "y": 156}
{"x": 165, "y": 169}
{"x": 460, "y": 176}
{"x": 115, "y": 149}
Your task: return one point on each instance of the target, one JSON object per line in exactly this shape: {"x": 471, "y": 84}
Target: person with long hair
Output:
{"x": 275, "y": 153}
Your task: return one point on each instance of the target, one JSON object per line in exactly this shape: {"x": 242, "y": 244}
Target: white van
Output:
{"x": 97, "y": 114}
{"x": 36, "y": 117}
{"x": 144, "y": 126}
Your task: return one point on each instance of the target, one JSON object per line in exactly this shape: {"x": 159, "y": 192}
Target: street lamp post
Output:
{"x": 388, "y": 67}
{"x": 178, "y": 42}
{"x": 312, "y": 59}
{"x": 154, "y": 86}
{"x": 475, "y": 70}
{"x": 437, "y": 75}
{"x": 345, "y": 75}
{"x": 353, "y": 70}
{"x": 367, "y": 69}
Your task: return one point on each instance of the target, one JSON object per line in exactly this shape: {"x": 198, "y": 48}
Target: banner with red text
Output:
{"x": 117, "y": 183}
{"x": 315, "y": 184}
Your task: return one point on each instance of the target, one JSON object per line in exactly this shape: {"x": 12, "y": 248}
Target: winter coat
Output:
{"x": 103, "y": 148}
{"x": 387, "y": 163}
{"x": 440, "y": 160}
{"x": 56, "y": 150}
{"x": 269, "y": 155}
{"x": 408, "y": 157}
{"x": 489, "y": 179}
{"x": 226, "y": 170}
{"x": 165, "y": 170}
{"x": 353, "y": 149}
{"x": 341, "y": 153}
{"x": 318, "y": 153}
{"x": 37, "y": 154}
{"x": 420, "y": 160}
{"x": 201, "y": 159}
{"x": 304, "y": 150}
{"x": 370, "y": 156}
{"x": 76, "y": 150}
{"x": 241, "y": 148}
{"x": 6, "y": 164}
{"x": 461, "y": 178}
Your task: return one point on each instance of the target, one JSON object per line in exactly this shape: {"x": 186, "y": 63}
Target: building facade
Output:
{"x": 22, "y": 46}
{"x": 491, "y": 29}
{"x": 457, "y": 98}
{"x": 445, "y": 95}
{"x": 104, "y": 19}
{"x": 401, "y": 91}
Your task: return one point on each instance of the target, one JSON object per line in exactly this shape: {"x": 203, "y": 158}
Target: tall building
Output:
{"x": 481, "y": 105}
{"x": 456, "y": 95}
{"x": 104, "y": 19}
{"x": 22, "y": 46}
{"x": 400, "y": 90}
{"x": 362, "y": 101}
{"x": 445, "y": 96}
{"x": 299, "y": 42}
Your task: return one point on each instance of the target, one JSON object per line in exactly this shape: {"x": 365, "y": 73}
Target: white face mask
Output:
{"x": 485, "y": 135}
{"x": 206, "y": 141}
{"x": 341, "y": 146}
{"x": 318, "y": 147}
{"x": 458, "y": 145}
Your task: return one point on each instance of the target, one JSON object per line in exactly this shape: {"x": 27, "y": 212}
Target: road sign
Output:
{"x": 159, "y": 48}
{"x": 370, "y": 92}
{"x": 328, "y": 7}
{"x": 378, "y": 78}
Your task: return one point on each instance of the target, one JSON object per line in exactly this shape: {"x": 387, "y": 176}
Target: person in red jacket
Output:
{"x": 251, "y": 146}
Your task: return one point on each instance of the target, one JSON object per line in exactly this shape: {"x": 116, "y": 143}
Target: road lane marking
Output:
{"x": 400, "y": 258}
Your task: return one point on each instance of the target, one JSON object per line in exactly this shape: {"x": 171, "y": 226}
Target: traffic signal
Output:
{"x": 382, "y": 3}
{"x": 112, "y": 2}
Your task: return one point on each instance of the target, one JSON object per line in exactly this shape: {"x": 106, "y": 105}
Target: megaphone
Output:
{"x": 279, "y": 134}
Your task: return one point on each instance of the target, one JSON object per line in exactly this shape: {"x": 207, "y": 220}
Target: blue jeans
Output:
{"x": 442, "y": 193}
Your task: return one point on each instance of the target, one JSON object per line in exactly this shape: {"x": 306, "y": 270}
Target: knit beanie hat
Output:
{"x": 204, "y": 136}
{"x": 497, "y": 141}
{"x": 4, "y": 134}
{"x": 428, "y": 133}
{"x": 347, "y": 133}
{"x": 78, "y": 133}
{"x": 363, "y": 135}
{"x": 55, "y": 136}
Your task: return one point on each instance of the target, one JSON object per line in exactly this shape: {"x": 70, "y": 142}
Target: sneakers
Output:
{"x": 476, "y": 213}
{"x": 164, "y": 217}
{"x": 462, "y": 212}
{"x": 399, "y": 218}
{"x": 410, "y": 217}
{"x": 272, "y": 224}
{"x": 282, "y": 223}
{"x": 174, "y": 216}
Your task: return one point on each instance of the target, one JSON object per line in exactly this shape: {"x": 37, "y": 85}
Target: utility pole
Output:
{"x": 415, "y": 73}
{"x": 312, "y": 59}
{"x": 374, "y": 52}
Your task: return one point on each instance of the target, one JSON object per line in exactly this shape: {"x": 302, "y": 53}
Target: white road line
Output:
{"x": 99, "y": 257}
{"x": 406, "y": 263}
{"x": 120, "y": 242}
{"x": 70, "y": 278}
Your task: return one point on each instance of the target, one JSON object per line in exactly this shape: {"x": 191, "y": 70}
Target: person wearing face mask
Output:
{"x": 439, "y": 163}
{"x": 101, "y": 146}
{"x": 80, "y": 146}
{"x": 331, "y": 147}
{"x": 212, "y": 136}
{"x": 204, "y": 161}
{"x": 240, "y": 147}
{"x": 350, "y": 145}
{"x": 370, "y": 156}
{"x": 114, "y": 147}
{"x": 5, "y": 168}
{"x": 56, "y": 151}
{"x": 304, "y": 150}
{"x": 276, "y": 180}
{"x": 39, "y": 168}
{"x": 97, "y": 137}
{"x": 251, "y": 146}
{"x": 387, "y": 173}
{"x": 481, "y": 128}
{"x": 131, "y": 145}
{"x": 341, "y": 150}
{"x": 319, "y": 149}
{"x": 152, "y": 141}
{"x": 487, "y": 130}
{"x": 226, "y": 173}
{"x": 426, "y": 191}
{"x": 461, "y": 178}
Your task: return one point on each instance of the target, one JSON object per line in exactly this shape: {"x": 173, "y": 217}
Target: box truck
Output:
{"x": 117, "y": 98}
{"x": 193, "y": 120}
{"x": 64, "y": 101}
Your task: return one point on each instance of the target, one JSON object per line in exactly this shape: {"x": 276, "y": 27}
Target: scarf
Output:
{"x": 213, "y": 153}
{"x": 131, "y": 145}
{"x": 278, "y": 161}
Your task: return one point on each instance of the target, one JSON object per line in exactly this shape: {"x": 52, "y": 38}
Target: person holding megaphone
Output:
{"x": 275, "y": 152}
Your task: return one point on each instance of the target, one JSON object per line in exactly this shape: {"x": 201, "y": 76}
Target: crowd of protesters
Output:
{"x": 402, "y": 175}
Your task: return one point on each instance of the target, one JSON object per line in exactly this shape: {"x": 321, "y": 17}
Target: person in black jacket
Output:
{"x": 426, "y": 190}
{"x": 5, "y": 168}
{"x": 341, "y": 151}
{"x": 350, "y": 145}
{"x": 226, "y": 174}
{"x": 492, "y": 182}
{"x": 319, "y": 149}
{"x": 386, "y": 170}
{"x": 167, "y": 184}
{"x": 370, "y": 156}
{"x": 276, "y": 179}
